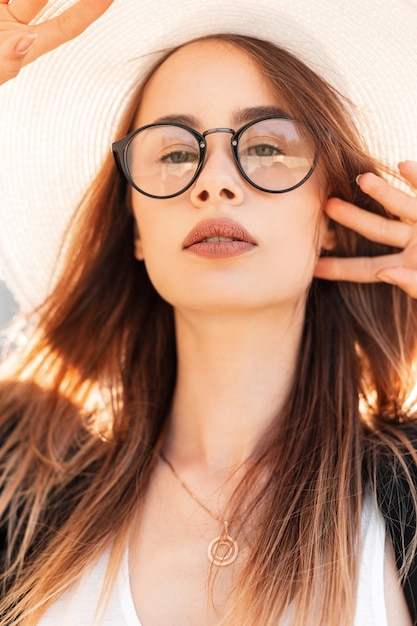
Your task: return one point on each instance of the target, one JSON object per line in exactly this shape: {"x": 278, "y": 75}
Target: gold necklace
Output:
{"x": 223, "y": 550}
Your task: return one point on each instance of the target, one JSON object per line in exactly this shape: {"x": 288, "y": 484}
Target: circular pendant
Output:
{"x": 223, "y": 550}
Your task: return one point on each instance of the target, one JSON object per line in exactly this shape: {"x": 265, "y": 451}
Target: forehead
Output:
{"x": 208, "y": 80}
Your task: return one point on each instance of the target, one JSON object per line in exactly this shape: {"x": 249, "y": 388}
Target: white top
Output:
{"x": 80, "y": 606}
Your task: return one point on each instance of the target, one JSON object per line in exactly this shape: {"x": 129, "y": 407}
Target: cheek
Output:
{"x": 142, "y": 230}
{"x": 154, "y": 243}
{"x": 300, "y": 242}
{"x": 306, "y": 226}
{"x": 146, "y": 234}
{"x": 153, "y": 251}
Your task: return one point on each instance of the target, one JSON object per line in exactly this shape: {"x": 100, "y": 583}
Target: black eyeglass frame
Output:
{"x": 120, "y": 148}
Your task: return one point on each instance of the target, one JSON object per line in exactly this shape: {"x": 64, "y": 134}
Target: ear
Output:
{"x": 137, "y": 243}
{"x": 327, "y": 236}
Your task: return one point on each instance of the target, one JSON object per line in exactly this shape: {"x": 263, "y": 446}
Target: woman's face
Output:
{"x": 207, "y": 85}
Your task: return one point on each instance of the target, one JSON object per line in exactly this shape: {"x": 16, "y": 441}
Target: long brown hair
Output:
{"x": 82, "y": 415}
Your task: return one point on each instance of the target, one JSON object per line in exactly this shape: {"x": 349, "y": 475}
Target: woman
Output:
{"x": 200, "y": 430}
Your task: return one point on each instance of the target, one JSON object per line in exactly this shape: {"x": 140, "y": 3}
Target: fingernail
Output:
{"x": 358, "y": 177}
{"x": 386, "y": 279}
{"x": 25, "y": 44}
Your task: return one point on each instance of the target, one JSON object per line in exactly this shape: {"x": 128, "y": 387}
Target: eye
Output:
{"x": 263, "y": 150}
{"x": 178, "y": 157}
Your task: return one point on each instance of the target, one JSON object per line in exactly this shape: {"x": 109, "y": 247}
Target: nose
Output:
{"x": 219, "y": 181}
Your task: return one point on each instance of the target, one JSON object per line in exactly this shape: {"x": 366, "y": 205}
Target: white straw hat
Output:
{"x": 59, "y": 117}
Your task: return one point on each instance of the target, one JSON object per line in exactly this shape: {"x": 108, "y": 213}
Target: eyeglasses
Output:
{"x": 274, "y": 154}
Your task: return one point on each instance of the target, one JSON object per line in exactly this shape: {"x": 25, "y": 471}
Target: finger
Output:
{"x": 356, "y": 269}
{"x": 373, "y": 227}
{"x": 26, "y": 10}
{"x": 67, "y": 25}
{"x": 408, "y": 170}
{"x": 394, "y": 200}
{"x": 404, "y": 278}
{"x": 13, "y": 52}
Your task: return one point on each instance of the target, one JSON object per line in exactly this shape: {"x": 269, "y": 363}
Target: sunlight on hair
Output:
{"x": 410, "y": 404}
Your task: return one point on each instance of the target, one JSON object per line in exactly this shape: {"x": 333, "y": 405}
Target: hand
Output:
{"x": 398, "y": 269}
{"x": 21, "y": 43}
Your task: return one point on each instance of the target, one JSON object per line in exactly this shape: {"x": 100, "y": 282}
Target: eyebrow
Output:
{"x": 239, "y": 117}
{"x": 242, "y": 116}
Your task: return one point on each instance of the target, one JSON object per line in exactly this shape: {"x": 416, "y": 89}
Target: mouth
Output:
{"x": 217, "y": 230}
{"x": 218, "y": 238}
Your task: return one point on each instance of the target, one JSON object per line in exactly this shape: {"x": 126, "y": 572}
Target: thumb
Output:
{"x": 404, "y": 278}
{"x": 13, "y": 52}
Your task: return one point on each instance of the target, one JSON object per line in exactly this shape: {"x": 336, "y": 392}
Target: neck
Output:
{"x": 234, "y": 374}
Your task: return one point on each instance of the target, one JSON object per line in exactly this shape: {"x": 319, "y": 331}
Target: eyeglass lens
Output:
{"x": 274, "y": 154}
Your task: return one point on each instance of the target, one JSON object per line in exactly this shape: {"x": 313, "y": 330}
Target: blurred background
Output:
{"x": 8, "y": 306}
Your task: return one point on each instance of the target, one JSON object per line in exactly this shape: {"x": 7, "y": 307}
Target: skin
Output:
{"x": 216, "y": 301}
{"x": 398, "y": 269}
{"x": 238, "y": 325}
{"x": 21, "y": 44}
{"x": 220, "y": 191}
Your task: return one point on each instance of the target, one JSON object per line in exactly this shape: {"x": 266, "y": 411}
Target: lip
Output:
{"x": 218, "y": 227}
